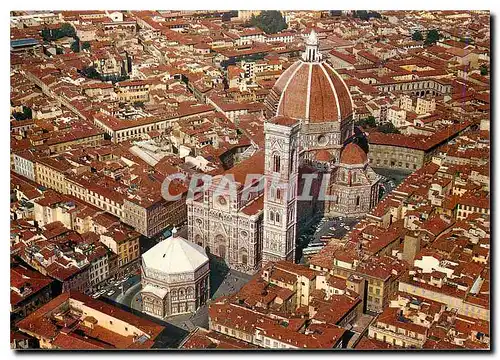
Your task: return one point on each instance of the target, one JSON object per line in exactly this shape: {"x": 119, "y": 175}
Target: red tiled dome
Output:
{"x": 310, "y": 91}
{"x": 353, "y": 155}
{"x": 323, "y": 155}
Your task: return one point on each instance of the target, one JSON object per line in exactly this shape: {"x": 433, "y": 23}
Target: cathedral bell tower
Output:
{"x": 281, "y": 187}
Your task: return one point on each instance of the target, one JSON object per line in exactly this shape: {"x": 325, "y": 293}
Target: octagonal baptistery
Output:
{"x": 312, "y": 91}
{"x": 175, "y": 277}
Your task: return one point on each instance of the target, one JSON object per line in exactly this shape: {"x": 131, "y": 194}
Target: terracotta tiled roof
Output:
{"x": 323, "y": 155}
{"x": 311, "y": 91}
{"x": 283, "y": 120}
{"x": 352, "y": 155}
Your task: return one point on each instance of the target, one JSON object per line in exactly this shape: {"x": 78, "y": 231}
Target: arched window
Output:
{"x": 278, "y": 194}
{"x": 244, "y": 256}
{"x": 198, "y": 239}
{"x": 222, "y": 251}
{"x": 277, "y": 217}
{"x": 357, "y": 200}
{"x": 271, "y": 215}
{"x": 276, "y": 163}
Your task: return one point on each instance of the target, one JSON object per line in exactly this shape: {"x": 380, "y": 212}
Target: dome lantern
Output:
{"x": 312, "y": 54}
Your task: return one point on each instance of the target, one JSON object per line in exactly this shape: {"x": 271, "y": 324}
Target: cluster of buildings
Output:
{"x": 100, "y": 118}
{"x": 73, "y": 321}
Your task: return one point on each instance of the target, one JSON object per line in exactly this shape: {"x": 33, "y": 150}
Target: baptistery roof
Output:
{"x": 175, "y": 255}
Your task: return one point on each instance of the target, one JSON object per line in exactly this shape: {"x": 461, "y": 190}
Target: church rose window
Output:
{"x": 322, "y": 140}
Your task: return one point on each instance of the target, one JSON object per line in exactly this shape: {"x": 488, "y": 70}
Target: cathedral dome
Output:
{"x": 353, "y": 155}
{"x": 310, "y": 90}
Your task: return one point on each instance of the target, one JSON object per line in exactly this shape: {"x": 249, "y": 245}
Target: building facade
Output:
{"x": 354, "y": 185}
{"x": 229, "y": 225}
{"x": 175, "y": 277}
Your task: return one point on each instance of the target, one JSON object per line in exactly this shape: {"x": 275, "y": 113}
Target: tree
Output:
{"x": 366, "y": 15}
{"x": 368, "y": 122}
{"x": 90, "y": 72}
{"x": 66, "y": 30}
{"x": 26, "y": 114}
{"x": 46, "y": 34}
{"x": 85, "y": 45}
{"x": 374, "y": 14}
{"x": 270, "y": 21}
{"x": 75, "y": 47}
{"x": 388, "y": 128}
{"x": 484, "y": 70}
{"x": 432, "y": 37}
{"x": 417, "y": 36}
{"x": 229, "y": 14}
{"x": 362, "y": 14}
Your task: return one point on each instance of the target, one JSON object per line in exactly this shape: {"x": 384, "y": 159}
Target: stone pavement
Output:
{"x": 126, "y": 298}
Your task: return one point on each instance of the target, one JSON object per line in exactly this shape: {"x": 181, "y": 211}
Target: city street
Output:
{"x": 390, "y": 179}
{"x": 223, "y": 281}
{"x": 111, "y": 288}
{"x": 339, "y": 232}
{"x": 335, "y": 227}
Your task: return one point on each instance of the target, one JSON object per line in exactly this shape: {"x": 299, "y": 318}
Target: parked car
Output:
{"x": 98, "y": 294}
{"x": 111, "y": 292}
